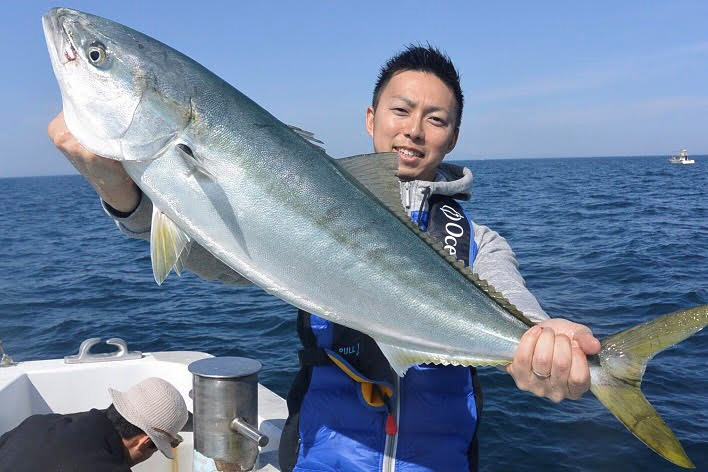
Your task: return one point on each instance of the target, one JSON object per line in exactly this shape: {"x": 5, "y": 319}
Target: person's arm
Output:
{"x": 551, "y": 358}
{"x": 123, "y": 201}
{"x": 496, "y": 263}
{"x": 106, "y": 176}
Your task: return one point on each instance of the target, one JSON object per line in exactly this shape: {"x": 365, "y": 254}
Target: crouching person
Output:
{"x": 141, "y": 420}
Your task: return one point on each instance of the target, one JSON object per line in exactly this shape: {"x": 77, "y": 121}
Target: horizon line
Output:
{"x": 447, "y": 159}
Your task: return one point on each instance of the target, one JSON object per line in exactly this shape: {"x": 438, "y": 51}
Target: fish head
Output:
{"x": 122, "y": 96}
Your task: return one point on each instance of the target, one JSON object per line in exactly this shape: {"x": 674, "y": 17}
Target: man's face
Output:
{"x": 139, "y": 448}
{"x": 416, "y": 117}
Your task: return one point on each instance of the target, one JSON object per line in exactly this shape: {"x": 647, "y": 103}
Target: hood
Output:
{"x": 452, "y": 180}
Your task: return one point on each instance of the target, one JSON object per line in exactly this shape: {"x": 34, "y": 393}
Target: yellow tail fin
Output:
{"x": 624, "y": 358}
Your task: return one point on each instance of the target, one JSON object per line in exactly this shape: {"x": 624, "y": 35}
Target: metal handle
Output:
{"x": 84, "y": 355}
{"x": 239, "y": 425}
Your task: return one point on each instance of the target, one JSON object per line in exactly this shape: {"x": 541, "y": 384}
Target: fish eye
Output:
{"x": 96, "y": 54}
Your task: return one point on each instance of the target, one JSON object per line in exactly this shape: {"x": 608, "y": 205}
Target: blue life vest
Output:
{"x": 347, "y": 407}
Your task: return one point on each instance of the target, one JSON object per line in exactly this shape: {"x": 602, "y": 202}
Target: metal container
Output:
{"x": 225, "y": 394}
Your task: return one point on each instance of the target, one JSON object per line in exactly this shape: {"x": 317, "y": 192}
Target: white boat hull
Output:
{"x": 681, "y": 158}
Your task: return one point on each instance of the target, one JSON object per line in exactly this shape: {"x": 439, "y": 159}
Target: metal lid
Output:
{"x": 225, "y": 367}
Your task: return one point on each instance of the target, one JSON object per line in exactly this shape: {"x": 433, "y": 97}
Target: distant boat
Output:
{"x": 682, "y": 158}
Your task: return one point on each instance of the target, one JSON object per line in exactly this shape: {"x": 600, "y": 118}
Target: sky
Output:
{"x": 541, "y": 79}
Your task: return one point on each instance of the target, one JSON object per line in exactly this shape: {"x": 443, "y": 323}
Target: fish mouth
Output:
{"x": 58, "y": 35}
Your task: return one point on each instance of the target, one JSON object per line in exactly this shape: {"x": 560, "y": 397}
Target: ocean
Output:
{"x": 608, "y": 242}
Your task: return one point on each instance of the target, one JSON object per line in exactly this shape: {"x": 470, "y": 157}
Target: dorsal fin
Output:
{"x": 377, "y": 174}
{"x": 309, "y": 136}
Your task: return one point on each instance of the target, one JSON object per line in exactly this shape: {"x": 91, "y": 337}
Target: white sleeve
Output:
{"x": 496, "y": 263}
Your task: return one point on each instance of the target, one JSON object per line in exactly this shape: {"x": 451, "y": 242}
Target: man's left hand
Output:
{"x": 551, "y": 360}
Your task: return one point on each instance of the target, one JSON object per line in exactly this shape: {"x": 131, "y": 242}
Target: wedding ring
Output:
{"x": 540, "y": 376}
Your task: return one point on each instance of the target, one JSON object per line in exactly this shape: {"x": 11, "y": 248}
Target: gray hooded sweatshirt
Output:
{"x": 495, "y": 261}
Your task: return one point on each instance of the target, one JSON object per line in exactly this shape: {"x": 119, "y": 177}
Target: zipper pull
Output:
{"x": 391, "y": 427}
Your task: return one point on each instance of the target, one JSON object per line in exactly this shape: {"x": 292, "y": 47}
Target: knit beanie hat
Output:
{"x": 156, "y": 407}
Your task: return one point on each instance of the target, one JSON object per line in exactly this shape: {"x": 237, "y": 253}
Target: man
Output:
{"x": 348, "y": 412}
{"x": 141, "y": 420}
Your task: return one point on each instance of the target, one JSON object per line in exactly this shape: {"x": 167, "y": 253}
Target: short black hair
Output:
{"x": 125, "y": 428}
{"x": 424, "y": 59}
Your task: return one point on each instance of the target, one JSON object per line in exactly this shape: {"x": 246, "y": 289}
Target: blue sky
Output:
{"x": 541, "y": 79}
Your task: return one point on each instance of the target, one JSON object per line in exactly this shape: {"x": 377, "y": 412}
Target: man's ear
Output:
{"x": 453, "y": 141}
{"x": 370, "y": 121}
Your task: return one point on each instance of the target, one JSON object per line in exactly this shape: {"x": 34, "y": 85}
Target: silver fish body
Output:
{"x": 275, "y": 208}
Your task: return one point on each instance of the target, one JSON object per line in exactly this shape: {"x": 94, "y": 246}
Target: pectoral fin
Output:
{"x": 196, "y": 161}
{"x": 169, "y": 246}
